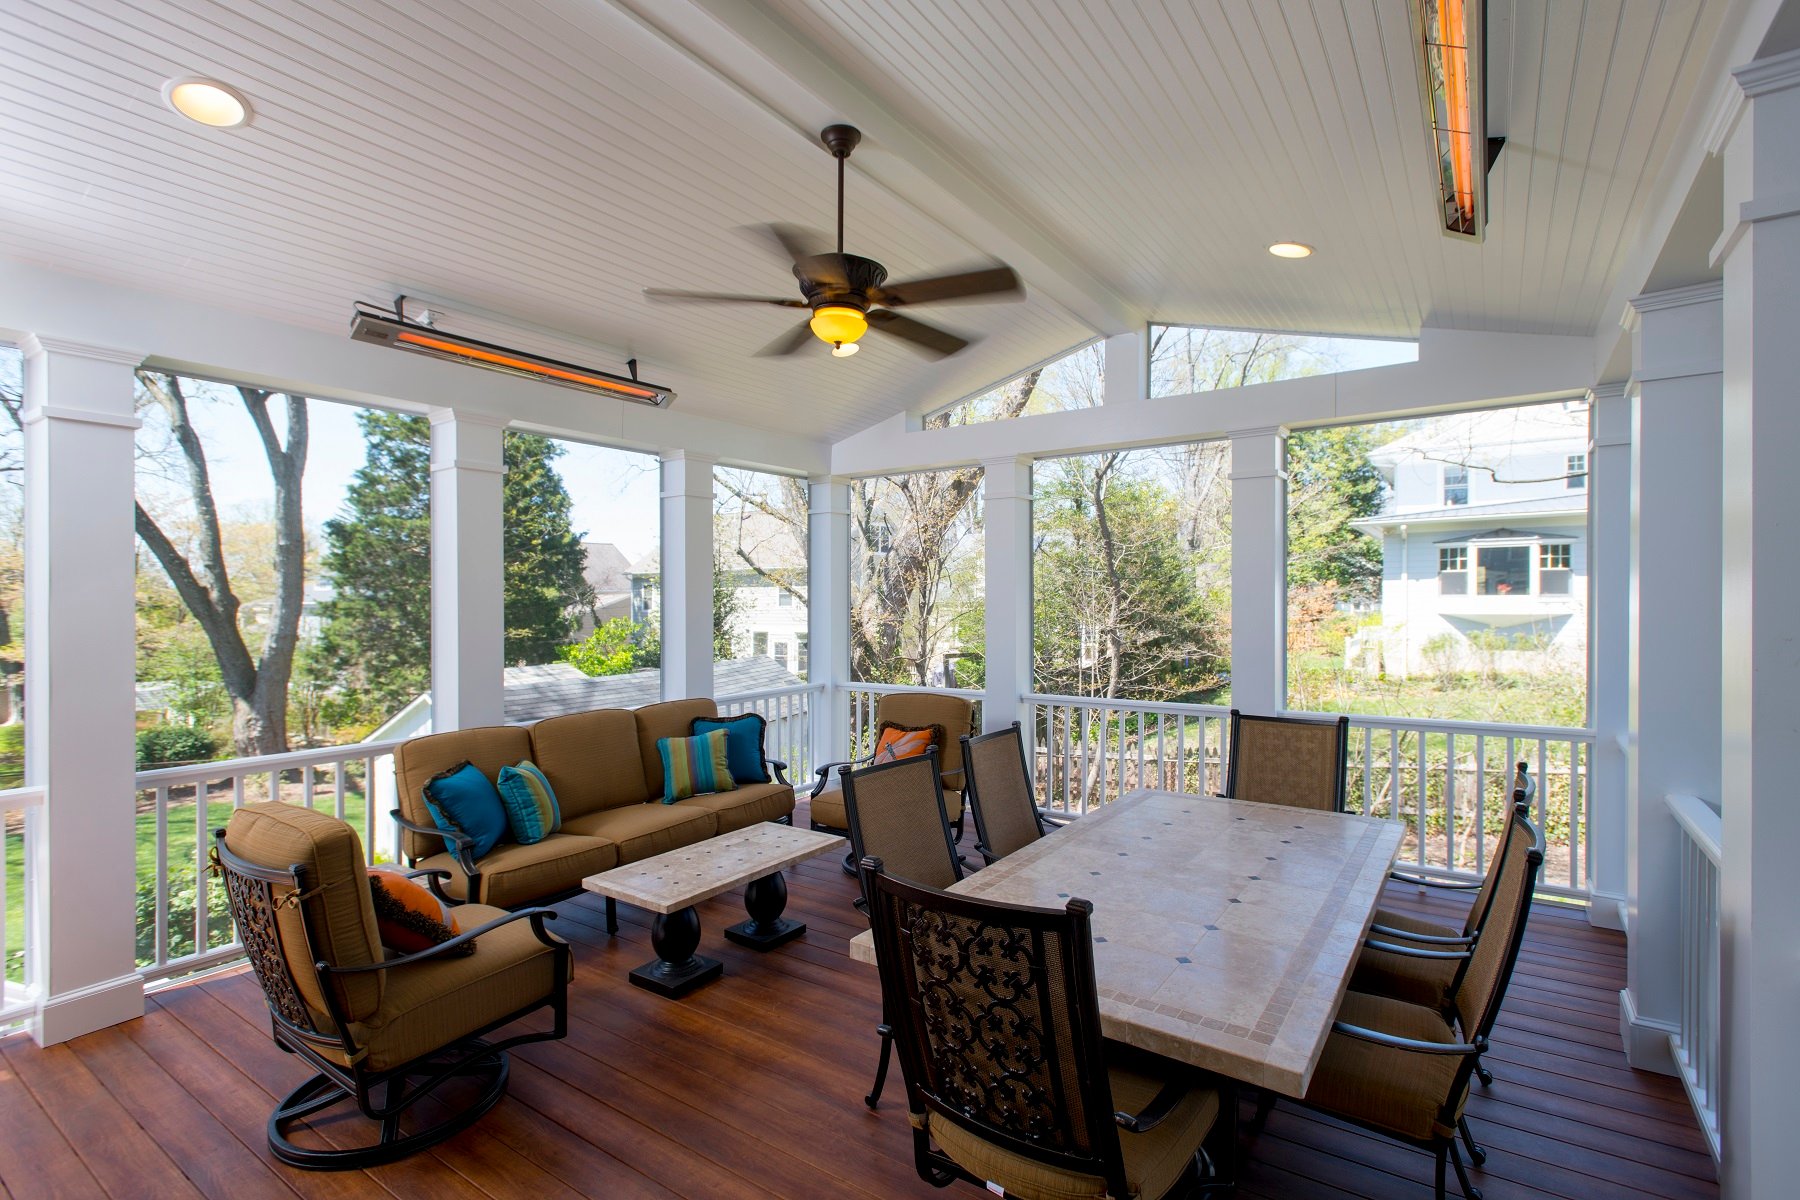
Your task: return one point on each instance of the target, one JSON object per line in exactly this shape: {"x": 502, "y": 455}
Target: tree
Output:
{"x": 611, "y": 649}
{"x": 1331, "y": 483}
{"x": 377, "y": 638}
{"x": 256, "y": 683}
{"x": 545, "y": 584}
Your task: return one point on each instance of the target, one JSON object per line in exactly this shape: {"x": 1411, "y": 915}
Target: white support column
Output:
{"x": 1127, "y": 368}
{"x": 1760, "y": 722}
{"x": 687, "y": 575}
{"x": 468, "y": 601}
{"x": 828, "y": 615}
{"x": 1007, "y": 558}
{"x": 1609, "y": 650}
{"x": 1259, "y": 570}
{"x": 1672, "y": 661}
{"x": 81, "y": 601}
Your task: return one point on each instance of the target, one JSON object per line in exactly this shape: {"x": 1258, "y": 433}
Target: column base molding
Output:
{"x": 84, "y": 1010}
{"x": 1646, "y": 1040}
{"x": 1608, "y": 912}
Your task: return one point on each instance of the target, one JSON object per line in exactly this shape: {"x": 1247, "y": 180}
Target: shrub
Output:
{"x": 163, "y": 744}
{"x": 219, "y": 930}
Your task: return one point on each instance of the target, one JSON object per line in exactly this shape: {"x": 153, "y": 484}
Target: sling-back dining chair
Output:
{"x": 1297, "y": 761}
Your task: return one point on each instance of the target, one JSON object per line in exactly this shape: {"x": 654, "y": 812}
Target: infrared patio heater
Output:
{"x": 1451, "y": 38}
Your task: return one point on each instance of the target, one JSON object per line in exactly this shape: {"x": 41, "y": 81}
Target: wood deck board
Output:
{"x": 753, "y": 1086}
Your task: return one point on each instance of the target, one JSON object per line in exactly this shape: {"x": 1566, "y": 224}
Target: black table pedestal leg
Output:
{"x": 766, "y": 929}
{"x": 676, "y": 970}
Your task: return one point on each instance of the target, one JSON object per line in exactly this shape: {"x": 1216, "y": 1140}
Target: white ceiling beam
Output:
{"x": 785, "y": 72}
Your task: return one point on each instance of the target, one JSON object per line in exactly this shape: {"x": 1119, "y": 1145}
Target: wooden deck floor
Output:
{"x": 752, "y": 1087}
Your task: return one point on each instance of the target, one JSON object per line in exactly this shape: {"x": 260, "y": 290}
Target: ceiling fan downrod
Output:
{"x": 840, "y": 140}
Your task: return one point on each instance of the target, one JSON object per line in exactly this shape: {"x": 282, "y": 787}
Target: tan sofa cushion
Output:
{"x": 278, "y": 836}
{"x": 430, "y": 1005}
{"x": 591, "y": 760}
{"x": 644, "y": 830}
{"x": 671, "y": 718}
{"x": 415, "y": 762}
{"x": 512, "y": 875}
{"x": 1398, "y": 1090}
{"x": 743, "y": 807}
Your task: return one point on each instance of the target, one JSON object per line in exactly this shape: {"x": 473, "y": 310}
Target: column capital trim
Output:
{"x": 1690, "y": 368}
{"x": 1607, "y": 391}
{"x": 36, "y": 345}
{"x": 1776, "y": 73}
{"x": 83, "y": 416}
{"x": 477, "y": 465}
{"x": 680, "y": 455}
{"x": 1259, "y": 431}
{"x": 445, "y": 416}
{"x": 1753, "y": 212}
{"x": 1681, "y": 297}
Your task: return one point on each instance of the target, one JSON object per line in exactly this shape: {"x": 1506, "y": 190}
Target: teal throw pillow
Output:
{"x": 743, "y": 744}
{"x": 465, "y": 800}
{"x": 531, "y": 810}
{"x": 694, "y": 766}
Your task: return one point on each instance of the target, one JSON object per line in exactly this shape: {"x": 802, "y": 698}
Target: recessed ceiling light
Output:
{"x": 1290, "y": 250}
{"x": 207, "y": 101}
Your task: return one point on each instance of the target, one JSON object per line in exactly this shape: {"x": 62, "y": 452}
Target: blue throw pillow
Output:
{"x": 531, "y": 809}
{"x": 465, "y": 800}
{"x": 743, "y": 744}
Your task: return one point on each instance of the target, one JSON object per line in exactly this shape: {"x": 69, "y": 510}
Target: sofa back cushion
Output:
{"x": 670, "y": 719}
{"x": 591, "y": 760}
{"x": 415, "y": 762}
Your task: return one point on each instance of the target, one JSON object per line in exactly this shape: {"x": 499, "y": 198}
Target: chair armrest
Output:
{"x": 777, "y": 768}
{"x": 465, "y": 845}
{"x": 1415, "y": 952}
{"x": 1448, "y": 885}
{"x": 1046, "y": 817}
{"x": 1424, "y": 939}
{"x": 1160, "y": 1106}
{"x": 435, "y": 873}
{"x": 537, "y": 916}
{"x": 824, "y": 772}
{"x": 1395, "y": 1042}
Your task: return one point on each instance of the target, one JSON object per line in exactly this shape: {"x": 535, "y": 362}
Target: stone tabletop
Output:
{"x": 1224, "y": 930}
{"x": 670, "y": 882}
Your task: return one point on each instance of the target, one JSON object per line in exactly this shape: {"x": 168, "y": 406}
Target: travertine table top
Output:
{"x": 1224, "y": 930}
{"x": 671, "y": 881}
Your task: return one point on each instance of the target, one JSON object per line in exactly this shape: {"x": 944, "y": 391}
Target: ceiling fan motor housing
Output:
{"x": 863, "y": 275}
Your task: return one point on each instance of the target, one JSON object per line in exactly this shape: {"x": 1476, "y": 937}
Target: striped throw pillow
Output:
{"x": 694, "y": 766}
{"x": 531, "y": 809}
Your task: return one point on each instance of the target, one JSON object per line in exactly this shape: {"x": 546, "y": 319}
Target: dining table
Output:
{"x": 1225, "y": 931}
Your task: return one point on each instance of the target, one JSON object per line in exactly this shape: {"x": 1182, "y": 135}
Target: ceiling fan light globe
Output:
{"x": 838, "y": 324}
{"x": 844, "y": 349}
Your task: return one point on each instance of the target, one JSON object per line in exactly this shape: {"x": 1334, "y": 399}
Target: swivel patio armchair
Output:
{"x": 1297, "y": 761}
{"x": 999, "y": 792}
{"x": 381, "y": 1033}
{"x": 1009, "y": 1082}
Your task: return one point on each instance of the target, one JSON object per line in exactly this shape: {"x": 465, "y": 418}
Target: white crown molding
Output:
{"x": 1698, "y": 293}
{"x": 1258, "y": 431}
{"x": 36, "y": 345}
{"x": 1606, "y": 391}
{"x": 35, "y": 414}
{"x": 1777, "y": 73}
{"x": 446, "y": 416}
{"x": 479, "y": 466}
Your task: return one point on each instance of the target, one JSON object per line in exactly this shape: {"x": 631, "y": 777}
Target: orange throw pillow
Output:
{"x": 894, "y": 741}
{"x": 409, "y": 917}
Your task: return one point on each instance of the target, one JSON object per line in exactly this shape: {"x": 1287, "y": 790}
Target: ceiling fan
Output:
{"x": 849, "y": 294}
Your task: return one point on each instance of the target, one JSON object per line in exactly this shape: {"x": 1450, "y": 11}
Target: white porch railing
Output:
{"x": 183, "y": 922}
{"x": 1449, "y": 782}
{"x": 788, "y": 713}
{"x": 18, "y": 832}
{"x": 1695, "y": 1044}
{"x": 864, "y": 697}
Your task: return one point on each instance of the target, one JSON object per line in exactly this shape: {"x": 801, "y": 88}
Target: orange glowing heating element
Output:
{"x": 1455, "y": 60}
{"x": 523, "y": 364}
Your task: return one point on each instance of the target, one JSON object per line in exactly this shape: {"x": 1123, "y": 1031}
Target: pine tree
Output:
{"x": 545, "y": 585}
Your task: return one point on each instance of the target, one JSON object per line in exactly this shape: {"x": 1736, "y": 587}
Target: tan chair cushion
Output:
{"x": 427, "y": 1006}
{"x": 1153, "y": 1160}
{"x": 644, "y": 830}
{"x": 743, "y": 807}
{"x": 275, "y": 835}
{"x": 1425, "y": 981}
{"x": 828, "y": 809}
{"x": 415, "y": 762}
{"x": 955, "y": 713}
{"x": 591, "y": 760}
{"x": 1398, "y": 1090}
{"x": 512, "y": 875}
{"x": 671, "y": 718}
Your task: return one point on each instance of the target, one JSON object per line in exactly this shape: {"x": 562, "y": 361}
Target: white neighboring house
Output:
{"x": 1483, "y": 544}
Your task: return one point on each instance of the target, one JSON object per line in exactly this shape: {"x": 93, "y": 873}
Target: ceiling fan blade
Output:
{"x": 987, "y": 282}
{"x": 811, "y": 255}
{"x": 928, "y": 338}
{"x": 672, "y": 294}
{"x": 788, "y": 343}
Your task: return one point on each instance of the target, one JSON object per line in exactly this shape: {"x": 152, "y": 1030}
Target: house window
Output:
{"x": 1503, "y": 570}
{"x": 1456, "y": 484}
{"x": 1453, "y": 570}
{"x": 800, "y": 653}
{"x": 759, "y": 645}
{"x": 1554, "y": 563}
{"x": 783, "y": 598}
{"x": 1575, "y": 474}
{"x": 781, "y": 654}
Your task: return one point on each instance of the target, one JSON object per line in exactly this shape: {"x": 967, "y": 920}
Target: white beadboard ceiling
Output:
{"x": 529, "y": 167}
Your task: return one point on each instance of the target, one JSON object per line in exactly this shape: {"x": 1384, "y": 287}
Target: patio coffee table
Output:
{"x": 670, "y": 884}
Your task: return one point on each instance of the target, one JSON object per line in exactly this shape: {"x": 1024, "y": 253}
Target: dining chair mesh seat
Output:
{"x": 1296, "y": 761}
{"x": 1000, "y": 792}
{"x": 896, "y": 813}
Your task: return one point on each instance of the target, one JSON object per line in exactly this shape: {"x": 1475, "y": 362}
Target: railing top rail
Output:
{"x": 884, "y": 689}
{"x": 1704, "y": 826}
{"x": 798, "y": 689}
{"x": 1552, "y": 733}
{"x": 1151, "y": 706}
{"x": 21, "y": 797}
{"x": 226, "y": 767}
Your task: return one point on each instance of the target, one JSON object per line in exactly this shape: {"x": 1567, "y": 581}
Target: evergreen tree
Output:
{"x": 1331, "y": 483}
{"x": 545, "y": 586}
